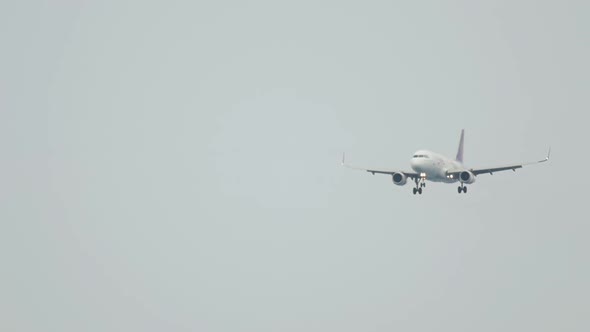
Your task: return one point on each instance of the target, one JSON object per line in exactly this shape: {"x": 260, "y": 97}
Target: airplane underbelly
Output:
{"x": 433, "y": 173}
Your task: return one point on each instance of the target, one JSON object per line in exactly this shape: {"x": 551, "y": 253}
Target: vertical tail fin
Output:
{"x": 460, "y": 150}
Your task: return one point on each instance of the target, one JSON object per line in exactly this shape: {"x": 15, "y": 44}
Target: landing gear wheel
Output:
{"x": 420, "y": 191}
{"x": 465, "y": 190}
{"x": 415, "y": 191}
{"x": 459, "y": 189}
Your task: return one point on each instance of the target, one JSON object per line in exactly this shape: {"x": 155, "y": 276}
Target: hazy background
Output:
{"x": 175, "y": 166}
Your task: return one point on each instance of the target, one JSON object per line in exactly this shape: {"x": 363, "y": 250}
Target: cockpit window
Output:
{"x": 420, "y": 156}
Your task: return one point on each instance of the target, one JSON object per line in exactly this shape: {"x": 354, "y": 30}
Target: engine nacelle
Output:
{"x": 399, "y": 179}
{"x": 467, "y": 177}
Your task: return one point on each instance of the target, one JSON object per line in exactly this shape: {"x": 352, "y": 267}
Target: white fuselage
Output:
{"x": 434, "y": 167}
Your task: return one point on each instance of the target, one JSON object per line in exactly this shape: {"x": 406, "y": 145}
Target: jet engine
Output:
{"x": 467, "y": 177}
{"x": 399, "y": 179}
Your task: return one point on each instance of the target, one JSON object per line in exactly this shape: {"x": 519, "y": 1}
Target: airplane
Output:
{"x": 434, "y": 167}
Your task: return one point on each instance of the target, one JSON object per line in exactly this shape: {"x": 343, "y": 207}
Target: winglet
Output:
{"x": 343, "y": 163}
{"x": 548, "y": 156}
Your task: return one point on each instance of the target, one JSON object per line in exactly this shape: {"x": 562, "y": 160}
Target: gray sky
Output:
{"x": 175, "y": 166}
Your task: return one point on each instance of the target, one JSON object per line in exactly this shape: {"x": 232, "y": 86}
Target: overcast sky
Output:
{"x": 174, "y": 166}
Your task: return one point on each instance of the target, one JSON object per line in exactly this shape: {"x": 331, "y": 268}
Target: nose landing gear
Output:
{"x": 420, "y": 183}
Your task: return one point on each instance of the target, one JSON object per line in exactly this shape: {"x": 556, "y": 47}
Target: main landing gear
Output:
{"x": 420, "y": 183}
{"x": 462, "y": 188}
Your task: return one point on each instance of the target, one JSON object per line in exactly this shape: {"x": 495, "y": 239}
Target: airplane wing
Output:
{"x": 411, "y": 175}
{"x": 492, "y": 170}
